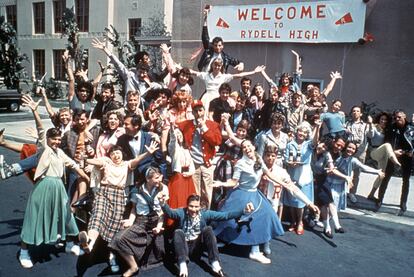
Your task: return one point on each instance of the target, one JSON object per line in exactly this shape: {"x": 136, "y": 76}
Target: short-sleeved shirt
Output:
{"x": 333, "y": 121}
{"x": 142, "y": 207}
{"x": 114, "y": 174}
{"x": 246, "y": 173}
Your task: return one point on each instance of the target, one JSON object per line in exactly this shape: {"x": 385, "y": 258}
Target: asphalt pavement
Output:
{"x": 375, "y": 244}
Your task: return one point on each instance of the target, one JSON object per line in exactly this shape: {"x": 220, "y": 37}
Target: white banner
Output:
{"x": 304, "y": 22}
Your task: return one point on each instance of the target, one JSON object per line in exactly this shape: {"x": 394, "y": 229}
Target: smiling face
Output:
{"x": 245, "y": 86}
{"x": 336, "y": 106}
{"x": 383, "y": 121}
{"x": 130, "y": 129}
{"x": 193, "y": 208}
{"x": 259, "y": 92}
{"x": 116, "y": 156}
{"x": 224, "y": 94}
{"x": 198, "y": 112}
{"x": 338, "y": 145}
{"x": 106, "y": 95}
{"x": 155, "y": 180}
{"x": 301, "y": 135}
{"x": 218, "y": 47}
{"x": 54, "y": 142}
{"x": 269, "y": 159}
{"x": 248, "y": 149}
{"x": 216, "y": 66}
{"x": 64, "y": 117}
{"x": 400, "y": 119}
{"x": 320, "y": 148}
{"x": 356, "y": 113}
{"x": 241, "y": 133}
{"x": 350, "y": 149}
{"x": 113, "y": 122}
{"x": 276, "y": 126}
{"x": 183, "y": 79}
{"x": 83, "y": 94}
{"x": 132, "y": 102}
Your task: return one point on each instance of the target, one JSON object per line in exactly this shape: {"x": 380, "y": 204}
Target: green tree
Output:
{"x": 11, "y": 60}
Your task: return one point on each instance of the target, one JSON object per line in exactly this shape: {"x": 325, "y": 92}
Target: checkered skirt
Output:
{"x": 107, "y": 212}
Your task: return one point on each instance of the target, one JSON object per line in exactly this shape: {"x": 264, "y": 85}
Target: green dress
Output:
{"x": 48, "y": 214}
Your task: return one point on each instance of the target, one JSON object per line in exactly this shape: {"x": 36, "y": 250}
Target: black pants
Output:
{"x": 406, "y": 162}
{"x": 194, "y": 248}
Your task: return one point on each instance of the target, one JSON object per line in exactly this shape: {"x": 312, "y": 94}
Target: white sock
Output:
{"x": 24, "y": 251}
{"x": 216, "y": 266}
{"x": 326, "y": 226}
{"x": 255, "y": 249}
{"x": 183, "y": 268}
{"x": 69, "y": 244}
{"x": 335, "y": 220}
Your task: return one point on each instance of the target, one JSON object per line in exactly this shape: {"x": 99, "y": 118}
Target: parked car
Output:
{"x": 10, "y": 99}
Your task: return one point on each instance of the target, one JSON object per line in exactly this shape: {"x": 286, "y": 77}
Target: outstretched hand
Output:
{"x": 165, "y": 49}
{"x": 152, "y": 147}
{"x": 96, "y": 43}
{"x": 259, "y": 68}
{"x": 336, "y": 75}
{"x": 239, "y": 67}
{"x": 29, "y": 102}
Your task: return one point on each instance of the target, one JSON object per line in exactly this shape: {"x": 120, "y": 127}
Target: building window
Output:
{"x": 134, "y": 27}
{"x": 39, "y": 63}
{"x": 39, "y": 17}
{"x": 314, "y": 82}
{"x": 58, "y": 65}
{"x": 11, "y": 13}
{"x": 82, "y": 15}
{"x": 58, "y": 9}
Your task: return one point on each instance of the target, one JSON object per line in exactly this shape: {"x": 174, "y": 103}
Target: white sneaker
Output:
{"x": 259, "y": 257}
{"x": 183, "y": 270}
{"x": 75, "y": 250}
{"x": 25, "y": 260}
{"x": 114, "y": 265}
{"x": 352, "y": 198}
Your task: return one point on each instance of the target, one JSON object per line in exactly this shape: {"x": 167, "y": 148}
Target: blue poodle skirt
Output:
{"x": 255, "y": 228}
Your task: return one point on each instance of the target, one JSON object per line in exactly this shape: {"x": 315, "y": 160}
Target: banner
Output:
{"x": 302, "y": 22}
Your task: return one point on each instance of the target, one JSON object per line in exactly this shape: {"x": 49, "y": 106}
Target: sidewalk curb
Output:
{"x": 365, "y": 204}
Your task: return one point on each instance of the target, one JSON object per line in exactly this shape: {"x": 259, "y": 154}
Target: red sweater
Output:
{"x": 209, "y": 139}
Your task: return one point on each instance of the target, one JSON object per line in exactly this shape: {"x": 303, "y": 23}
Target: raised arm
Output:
{"x": 334, "y": 76}
{"x": 29, "y": 102}
{"x": 49, "y": 108}
{"x": 69, "y": 71}
{"x": 258, "y": 69}
{"x": 268, "y": 79}
{"x": 150, "y": 150}
{"x": 316, "y": 132}
{"x": 298, "y": 68}
{"x": 205, "y": 38}
{"x": 229, "y": 131}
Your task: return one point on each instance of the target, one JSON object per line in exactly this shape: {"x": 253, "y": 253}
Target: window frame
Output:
{"x": 39, "y": 19}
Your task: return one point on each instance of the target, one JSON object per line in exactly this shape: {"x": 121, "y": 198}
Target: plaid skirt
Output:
{"x": 107, "y": 212}
{"x": 139, "y": 241}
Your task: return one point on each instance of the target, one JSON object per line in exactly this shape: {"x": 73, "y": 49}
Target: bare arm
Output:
{"x": 150, "y": 150}
{"x": 49, "y": 107}
{"x": 28, "y": 102}
{"x": 298, "y": 69}
{"x": 229, "y": 131}
{"x": 334, "y": 76}
{"x": 97, "y": 162}
{"x": 248, "y": 73}
{"x": 69, "y": 72}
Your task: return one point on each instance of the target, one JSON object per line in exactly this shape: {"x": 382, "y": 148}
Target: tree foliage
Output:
{"x": 11, "y": 60}
{"x": 71, "y": 30}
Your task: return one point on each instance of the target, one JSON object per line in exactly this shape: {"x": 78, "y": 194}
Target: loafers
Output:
{"x": 340, "y": 230}
{"x": 328, "y": 234}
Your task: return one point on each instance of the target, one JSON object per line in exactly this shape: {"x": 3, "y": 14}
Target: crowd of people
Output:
{"x": 163, "y": 167}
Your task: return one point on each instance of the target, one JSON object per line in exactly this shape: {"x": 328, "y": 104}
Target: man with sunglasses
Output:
{"x": 401, "y": 137}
